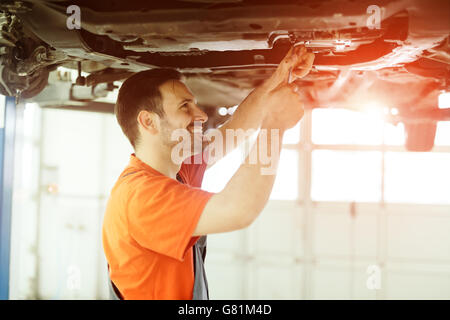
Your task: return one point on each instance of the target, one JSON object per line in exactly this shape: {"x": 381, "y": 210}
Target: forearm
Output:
{"x": 247, "y": 117}
{"x": 250, "y": 113}
{"x": 251, "y": 185}
{"x": 273, "y": 105}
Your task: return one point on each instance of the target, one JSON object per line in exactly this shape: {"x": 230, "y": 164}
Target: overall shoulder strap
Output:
{"x": 200, "y": 291}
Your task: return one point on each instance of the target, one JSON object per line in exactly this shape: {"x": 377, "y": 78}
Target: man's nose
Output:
{"x": 200, "y": 115}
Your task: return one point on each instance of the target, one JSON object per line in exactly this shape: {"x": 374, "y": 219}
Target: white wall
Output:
{"x": 81, "y": 154}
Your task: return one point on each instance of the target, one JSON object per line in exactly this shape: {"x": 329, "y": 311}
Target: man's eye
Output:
{"x": 185, "y": 105}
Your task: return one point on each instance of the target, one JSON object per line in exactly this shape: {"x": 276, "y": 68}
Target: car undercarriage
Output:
{"x": 394, "y": 54}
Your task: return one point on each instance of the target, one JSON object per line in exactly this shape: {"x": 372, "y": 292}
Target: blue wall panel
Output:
{"x": 6, "y": 186}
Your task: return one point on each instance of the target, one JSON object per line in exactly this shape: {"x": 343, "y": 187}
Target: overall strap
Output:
{"x": 200, "y": 290}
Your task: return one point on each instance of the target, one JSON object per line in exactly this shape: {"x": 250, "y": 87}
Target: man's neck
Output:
{"x": 159, "y": 159}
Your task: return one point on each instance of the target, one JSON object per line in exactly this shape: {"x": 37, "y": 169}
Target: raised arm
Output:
{"x": 254, "y": 108}
{"x": 247, "y": 192}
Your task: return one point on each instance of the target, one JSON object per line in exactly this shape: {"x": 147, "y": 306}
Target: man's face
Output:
{"x": 181, "y": 111}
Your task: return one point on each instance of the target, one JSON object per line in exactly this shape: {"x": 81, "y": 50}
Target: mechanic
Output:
{"x": 157, "y": 217}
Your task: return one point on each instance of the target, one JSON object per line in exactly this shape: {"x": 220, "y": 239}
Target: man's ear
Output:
{"x": 148, "y": 121}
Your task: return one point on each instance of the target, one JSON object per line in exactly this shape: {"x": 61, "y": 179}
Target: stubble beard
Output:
{"x": 166, "y": 133}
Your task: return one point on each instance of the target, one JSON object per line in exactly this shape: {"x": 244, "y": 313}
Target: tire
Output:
{"x": 36, "y": 82}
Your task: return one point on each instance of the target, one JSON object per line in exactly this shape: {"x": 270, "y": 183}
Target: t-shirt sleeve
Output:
{"x": 193, "y": 169}
{"x": 163, "y": 214}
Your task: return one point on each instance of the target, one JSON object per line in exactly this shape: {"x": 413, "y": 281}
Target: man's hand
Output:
{"x": 284, "y": 105}
{"x": 268, "y": 101}
{"x": 287, "y": 108}
{"x": 296, "y": 64}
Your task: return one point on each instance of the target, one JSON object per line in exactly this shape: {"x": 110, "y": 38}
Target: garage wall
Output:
{"x": 76, "y": 158}
{"x": 350, "y": 217}
{"x": 370, "y": 220}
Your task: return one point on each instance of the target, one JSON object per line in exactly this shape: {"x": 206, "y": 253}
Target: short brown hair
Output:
{"x": 141, "y": 92}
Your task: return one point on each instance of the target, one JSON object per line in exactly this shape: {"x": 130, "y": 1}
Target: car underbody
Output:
{"x": 225, "y": 48}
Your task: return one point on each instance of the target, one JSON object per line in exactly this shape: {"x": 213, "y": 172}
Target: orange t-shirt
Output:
{"x": 147, "y": 231}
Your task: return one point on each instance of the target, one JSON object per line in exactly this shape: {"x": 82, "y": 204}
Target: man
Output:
{"x": 157, "y": 212}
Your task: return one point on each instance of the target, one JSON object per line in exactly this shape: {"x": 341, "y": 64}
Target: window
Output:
{"x": 442, "y": 134}
{"x": 292, "y": 136}
{"x": 346, "y": 176}
{"x": 286, "y": 182}
{"x": 417, "y": 177}
{"x": 341, "y": 126}
{"x": 394, "y": 135}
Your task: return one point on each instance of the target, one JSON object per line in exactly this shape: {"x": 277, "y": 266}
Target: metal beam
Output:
{"x": 7, "y": 132}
